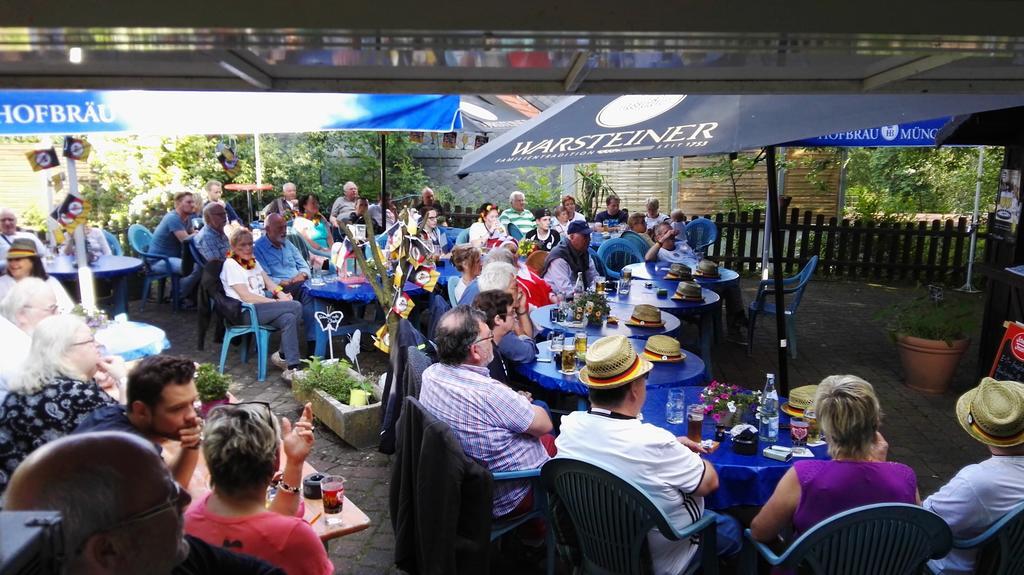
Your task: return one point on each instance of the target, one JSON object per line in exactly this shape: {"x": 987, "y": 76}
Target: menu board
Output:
{"x": 1009, "y": 362}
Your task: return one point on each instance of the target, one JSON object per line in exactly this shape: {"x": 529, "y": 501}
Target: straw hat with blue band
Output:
{"x": 612, "y": 362}
{"x": 993, "y": 412}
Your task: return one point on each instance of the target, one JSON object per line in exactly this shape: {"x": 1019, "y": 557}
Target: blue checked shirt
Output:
{"x": 280, "y": 263}
{"x": 490, "y": 420}
{"x": 212, "y": 245}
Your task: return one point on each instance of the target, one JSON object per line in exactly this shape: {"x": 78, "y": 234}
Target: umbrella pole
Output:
{"x": 967, "y": 287}
{"x": 780, "y": 300}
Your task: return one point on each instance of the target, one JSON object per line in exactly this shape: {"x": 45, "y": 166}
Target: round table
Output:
{"x": 598, "y": 238}
{"x": 114, "y": 268}
{"x": 690, "y": 371}
{"x": 132, "y": 340}
{"x": 742, "y": 479}
{"x": 639, "y": 293}
{"x": 541, "y": 318}
{"x": 657, "y": 271}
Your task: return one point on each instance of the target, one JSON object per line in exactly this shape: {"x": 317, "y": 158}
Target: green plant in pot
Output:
{"x": 212, "y": 387}
{"x": 335, "y": 378}
{"x": 930, "y": 332}
{"x": 592, "y": 306}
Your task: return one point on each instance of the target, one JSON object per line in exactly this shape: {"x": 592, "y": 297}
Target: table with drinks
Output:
{"x": 743, "y": 479}
{"x": 652, "y": 271}
{"x": 113, "y": 268}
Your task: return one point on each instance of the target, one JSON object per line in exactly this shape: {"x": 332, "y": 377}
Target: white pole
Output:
{"x": 967, "y": 287}
{"x": 259, "y": 161}
{"x": 87, "y": 290}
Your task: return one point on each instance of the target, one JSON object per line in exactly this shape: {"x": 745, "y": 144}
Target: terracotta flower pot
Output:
{"x": 929, "y": 364}
{"x": 207, "y": 406}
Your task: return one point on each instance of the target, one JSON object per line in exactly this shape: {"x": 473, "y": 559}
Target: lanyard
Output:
{"x": 609, "y": 414}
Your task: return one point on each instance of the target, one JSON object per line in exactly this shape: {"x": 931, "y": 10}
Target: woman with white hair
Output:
{"x": 242, "y": 445}
{"x": 813, "y": 490}
{"x": 654, "y": 217}
{"x": 29, "y": 302}
{"x": 55, "y": 390}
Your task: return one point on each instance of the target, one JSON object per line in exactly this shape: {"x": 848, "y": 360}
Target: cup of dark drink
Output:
{"x": 332, "y": 488}
{"x": 694, "y": 422}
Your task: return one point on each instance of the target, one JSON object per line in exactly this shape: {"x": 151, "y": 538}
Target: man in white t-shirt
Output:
{"x": 668, "y": 248}
{"x": 9, "y": 232}
{"x": 667, "y": 468}
{"x": 980, "y": 494}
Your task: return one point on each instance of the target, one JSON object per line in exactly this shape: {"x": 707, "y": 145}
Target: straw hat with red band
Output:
{"x": 662, "y": 348}
{"x": 612, "y": 362}
{"x": 645, "y": 315}
{"x": 22, "y": 248}
{"x": 993, "y": 412}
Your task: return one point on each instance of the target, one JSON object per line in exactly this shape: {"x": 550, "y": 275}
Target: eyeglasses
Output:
{"x": 483, "y": 339}
{"x": 226, "y": 408}
{"x": 53, "y": 309}
{"x": 86, "y": 342}
{"x": 178, "y": 499}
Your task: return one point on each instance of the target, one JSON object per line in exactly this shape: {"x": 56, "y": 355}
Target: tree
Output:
{"x": 727, "y": 168}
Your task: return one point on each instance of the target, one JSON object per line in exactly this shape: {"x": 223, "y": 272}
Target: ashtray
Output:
{"x": 745, "y": 443}
{"x": 311, "y": 486}
{"x": 662, "y": 292}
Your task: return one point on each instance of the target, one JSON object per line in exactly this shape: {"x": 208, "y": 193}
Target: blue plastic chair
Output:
{"x": 612, "y": 516}
{"x": 514, "y": 231}
{"x": 452, "y": 233}
{"x": 114, "y": 243}
{"x": 881, "y": 539}
{"x": 158, "y": 267}
{"x": 762, "y": 304}
{"x": 453, "y": 281}
{"x": 701, "y": 233}
{"x": 598, "y": 264}
{"x": 197, "y": 256}
{"x": 637, "y": 241}
{"x": 616, "y": 254}
{"x": 261, "y": 333}
{"x": 1000, "y": 547}
{"x": 463, "y": 237}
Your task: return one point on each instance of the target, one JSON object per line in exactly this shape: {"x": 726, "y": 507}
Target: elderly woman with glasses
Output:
{"x": 29, "y": 302}
{"x": 55, "y": 390}
{"x": 242, "y": 446}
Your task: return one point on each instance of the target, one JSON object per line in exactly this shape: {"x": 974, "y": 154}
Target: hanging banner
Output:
{"x": 171, "y": 113}
{"x": 903, "y": 135}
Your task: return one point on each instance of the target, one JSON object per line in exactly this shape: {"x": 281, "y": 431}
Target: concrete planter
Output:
{"x": 356, "y": 426}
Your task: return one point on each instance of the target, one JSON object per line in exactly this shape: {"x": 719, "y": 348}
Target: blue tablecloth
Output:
{"x": 657, "y": 271}
{"x": 690, "y": 371}
{"x": 132, "y": 340}
{"x": 742, "y": 479}
{"x": 541, "y": 318}
{"x": 639, "y": 293}
{"x": 63, "y": 267}
{"x": 363, "y": 293}
{"x": 597, "y": 238}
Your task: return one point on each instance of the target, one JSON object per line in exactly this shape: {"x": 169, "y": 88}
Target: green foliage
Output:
{"x": 948, "y": 320}
{"x": 405, "y": 177}
{"x": 335, "y": 378}
{"x": 210, "y": 383}
{"x": 540, "y": 189}
{"x": 726, "y": 169}
{"x": 727, "y": 205}
{"x": 593, "y": 190}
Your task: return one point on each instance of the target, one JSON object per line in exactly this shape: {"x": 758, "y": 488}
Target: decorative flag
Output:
{"x": 76, "y": 148}
{"x": 418, "y": 251}
{"x": 448, "y": 141}
{"x": 416, "y": 137}
{"x": 426, "y": 278}
{"x": 403, "y": 305}
{"x": 70, "y": 212}
{"x": 42, "y": 159}
{"x": 381, "y": 340}
{"x": 228, "y": 158}
{"x": 480, "y": 140}
{"x": 57, "y": 181}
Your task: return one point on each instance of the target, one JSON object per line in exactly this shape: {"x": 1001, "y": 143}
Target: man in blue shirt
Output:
{"x": 211, "y": 241}
{"x": 284, "y": 264}
{"x": 168, "y": 237}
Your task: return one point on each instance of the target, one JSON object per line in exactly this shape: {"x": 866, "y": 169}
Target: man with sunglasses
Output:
{"x": 122, "y": 511}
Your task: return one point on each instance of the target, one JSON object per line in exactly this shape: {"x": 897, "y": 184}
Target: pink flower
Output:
{"x": 717, "y": 417}
{"x": 724, "y": 396}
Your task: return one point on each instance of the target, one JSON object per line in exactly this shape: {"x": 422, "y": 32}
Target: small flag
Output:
{"x": 449, "y": 140}
{"x": 57, "y": 181}
{"x": 426, "y": 278}
{"x": 381, "y": 340}
{"x": 76, "y": 148}
{"x": 479, "y": 141}
{"x": 418, "y": 251}
{"x": 416, "y": 137}
{"x": 228, "y": 159}
{"x": 43, "y": 159}
{"x": 403, "y": 305}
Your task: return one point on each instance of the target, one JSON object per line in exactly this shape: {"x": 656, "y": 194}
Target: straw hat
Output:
{"x": 22, "y": 248}
{"x": 802, "y": 397}
{"x": 612, "y": 362}
{"x": 645, "y": 315}
{"x": 679, "y": 271}
{"x": 707, "y": 268}
{"x": 662, "y": 348}
{"x": 688, "y": 291}
{"x": 993, "y": 412}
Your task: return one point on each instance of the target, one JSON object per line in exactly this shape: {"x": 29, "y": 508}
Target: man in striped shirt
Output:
{"x": 518, "y": 214}
{"x": 496, "y": 426}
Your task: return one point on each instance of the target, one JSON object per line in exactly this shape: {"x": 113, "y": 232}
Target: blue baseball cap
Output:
{"x": 578, "y": 227}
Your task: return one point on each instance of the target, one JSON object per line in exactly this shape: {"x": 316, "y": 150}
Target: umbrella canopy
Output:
{"x": 994, "y": 128}
{"x": 494, "y": 114}
{"x": 583, "y": 129}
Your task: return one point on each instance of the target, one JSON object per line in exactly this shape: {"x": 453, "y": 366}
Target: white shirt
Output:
{"x": 682, "y": 254}
{"x": 651, "y": 222}
{"x": 576, "y": 217}
{"x": 460, "y": 288}
{"x": 233, "y": 273}
{"x": 652, "y": 459}
{"x": 64, "y": 302}
{"x": 973, "y": 500}
{"x": 562, "y": 229}
{"x": 12, "y": 353}
{"x": 478, "y": 233}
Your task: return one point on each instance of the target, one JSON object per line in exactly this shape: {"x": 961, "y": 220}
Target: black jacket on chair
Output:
{"x": 440, "y": 499}
{"x": 211, "y": 291}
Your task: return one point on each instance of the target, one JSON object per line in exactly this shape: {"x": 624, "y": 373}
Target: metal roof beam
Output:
{"x": 244, "y": 70}
{"x": 909, "y": 70}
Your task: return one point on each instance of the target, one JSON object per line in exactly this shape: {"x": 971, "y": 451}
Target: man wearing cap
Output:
{"x": 9, "y": 232}
{"x": 494, "y": 424}
{"x": 667, "y": 468}
{"x": 980, "y": 494}
{"x": 569, "y": 259}
{"x": 543, "y": 236}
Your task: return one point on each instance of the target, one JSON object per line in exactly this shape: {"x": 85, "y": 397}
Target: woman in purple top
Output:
{"x": 858, "y": 474}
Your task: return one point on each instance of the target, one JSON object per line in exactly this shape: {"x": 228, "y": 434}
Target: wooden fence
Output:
{"x": 903, "y": 251}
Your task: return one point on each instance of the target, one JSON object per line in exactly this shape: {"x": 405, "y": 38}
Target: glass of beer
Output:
{"x": 557, "y": 341}
{"x": 694, "y": 422}
{"x": 581, "y": 345}
{"x": 333, "y": 489}
{"x": 798, "y": 431}
{"x": 599, "y": 284}
{"x": 627, "y": 275}
{"x": 568, "y": 359}
{"x": 813, "y": 431}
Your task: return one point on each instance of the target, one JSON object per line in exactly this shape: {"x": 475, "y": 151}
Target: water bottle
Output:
{"x": 578, "y": 289}
{"x": 768, "y": 416}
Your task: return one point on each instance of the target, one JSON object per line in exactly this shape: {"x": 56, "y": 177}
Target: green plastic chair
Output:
{"x": 611, "y": 517}
{"x": 1001, "y": 546}
{"x": 881, "y": 539}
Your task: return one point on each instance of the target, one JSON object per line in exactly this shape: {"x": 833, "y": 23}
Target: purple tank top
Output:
{"x": 831, "y": 487}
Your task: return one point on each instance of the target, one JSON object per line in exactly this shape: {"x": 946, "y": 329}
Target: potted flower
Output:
{"x": 526, "y": 247}
{"x": 727, "y": 404}
{"x": 593, "y": 306}
{"x": 212, "y": 387}
{"x": 931, "y": 335}
{"x": 342, "y": 399}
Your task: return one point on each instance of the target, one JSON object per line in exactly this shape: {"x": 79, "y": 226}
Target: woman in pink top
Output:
{"x": 858, "y": 474}
{"x": 241, "y": 444}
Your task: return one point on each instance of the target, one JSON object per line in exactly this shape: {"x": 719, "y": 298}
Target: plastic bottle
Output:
{"x": 768, "y": 416}
{"x": 578, "y": 289}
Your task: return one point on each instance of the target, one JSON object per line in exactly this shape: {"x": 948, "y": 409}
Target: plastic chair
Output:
{"x": 612, "y": 517}
{"x": 463, "y": 237}
{"x": 598, "y": 264}
{"x": 514, "y": 231}
{"x": 881, "y": 539}
{"x": 617, "y": 253}
{"x": 114, "y": 243}
{"x": 451, "y": 233}
{"x": 701, "y": 233}
{"x": 1001, "y": 546}
{"x": 761, "y": 304}
{"x": 261, "y": 334}
{"x": 197, "y": 256}
{"x": 639, "y": 242}
{"x": 453, "y": 281}
{"x": 158, "y": 268}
